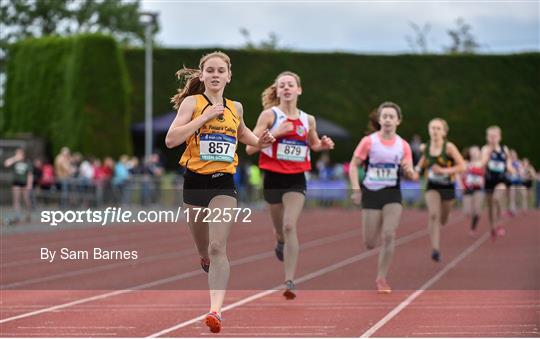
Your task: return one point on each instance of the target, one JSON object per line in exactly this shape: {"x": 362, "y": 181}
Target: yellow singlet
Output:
{"x": 212, "y": 148}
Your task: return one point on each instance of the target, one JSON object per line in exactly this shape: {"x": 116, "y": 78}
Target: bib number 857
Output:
{"x": 218, "y": 147}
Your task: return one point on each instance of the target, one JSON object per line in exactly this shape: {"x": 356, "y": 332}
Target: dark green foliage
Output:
{"x": 72, "y": 91}
{"x": 471, "y": 91}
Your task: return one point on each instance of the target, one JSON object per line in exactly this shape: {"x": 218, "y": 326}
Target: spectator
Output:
{"x": 21, "y": 183}
{"x": 64, "y": 171}
{"x": 120, "y": 179}
{"x": 47, "y": 180}
{"x": 135, "y": 170}
{"x": 102, "y": 175}
{"x": 323, "y": 167}
{"x": 255, "y": 182}
{"x": 150, "y": 184}
{"x": 338, "y": 171}
{"x": 77, "y": 188}
{"x": 86, "y": 179}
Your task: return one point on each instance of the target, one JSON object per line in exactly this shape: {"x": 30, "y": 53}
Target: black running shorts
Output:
{"x": 277, "y": 184}
{"x": 200, "y": 189}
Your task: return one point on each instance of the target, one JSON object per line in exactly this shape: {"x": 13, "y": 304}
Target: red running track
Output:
{"x": 479, "y": 289}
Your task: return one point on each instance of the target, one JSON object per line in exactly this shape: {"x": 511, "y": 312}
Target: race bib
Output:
{"x": 217, "y": 147}
{"x": 383, "y": 173}
{"x": 472, "y": 180}
{"x": 438, "y": 178}
{"x": 292, "y": 150}
{"x": 496, "y": 166}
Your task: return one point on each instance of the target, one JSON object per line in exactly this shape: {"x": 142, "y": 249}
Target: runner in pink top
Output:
{"x": 383, "y": 154}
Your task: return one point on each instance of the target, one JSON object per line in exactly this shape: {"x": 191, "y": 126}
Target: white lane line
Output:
{"x": 66, "y": 334}
{"x": 182, "y": 276}
{"x": 74, "y": 327}
{"x": 73, "y": 241}
{"x": 476, "y": 334}
{"x": 94, "y": 269}
{"x": 269, "y": 334}
{"x": 249, "y": 240}
{"x": 318, "y": 273}
{"x": 424, "y": 287}
{"x": 477, "y": 326}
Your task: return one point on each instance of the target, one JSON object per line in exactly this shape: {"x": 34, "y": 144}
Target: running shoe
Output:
{"x": 436, "y": 255}
{"x": 501, "y": 231}
{"x": 290, "y": 287}
{"x": 205, "y": 264}
{"x": 213, "y": 321}
{"x": 279, "y": 250}
{"x": 382, "y": 286}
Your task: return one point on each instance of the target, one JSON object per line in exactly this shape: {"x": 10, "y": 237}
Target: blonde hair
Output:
{"x": 269, "y": 95}
{"x": 494, "y": 128}
{"x": 193, "y": 85}
{"x": 443, "y": 123}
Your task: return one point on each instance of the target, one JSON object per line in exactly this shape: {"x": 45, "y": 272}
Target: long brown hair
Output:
{"x": 269, "y": 95}
{"x": 374, "y": 116}
{"x": 190, "y": 76}
{"x": 391, "y": 105}
{"x": 373, "y": 122}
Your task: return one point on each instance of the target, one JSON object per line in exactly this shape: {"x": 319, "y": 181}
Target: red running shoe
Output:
{"x": 289, "y": 290}
{"x": 213, "y": 321}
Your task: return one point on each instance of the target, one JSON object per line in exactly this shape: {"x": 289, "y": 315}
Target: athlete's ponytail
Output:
{"x": 269, "y": 95}
{"x": 373, "y": 122}
{"x": 193, "y": 84}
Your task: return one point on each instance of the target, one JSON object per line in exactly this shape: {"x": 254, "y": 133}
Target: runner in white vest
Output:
{"x": 383, "y": 154}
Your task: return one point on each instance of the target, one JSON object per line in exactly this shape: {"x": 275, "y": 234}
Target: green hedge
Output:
{"x": 471, "y": 92}
{"x": 72, "y": 91}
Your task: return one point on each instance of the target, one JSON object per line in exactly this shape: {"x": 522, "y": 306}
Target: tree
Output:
{"x": 271, "y": 44}
{"x": 419, "y": 43}
{"x": 462, "y": 39}
{"x": 35, "y": 18}
{"x": 20, "y": 19}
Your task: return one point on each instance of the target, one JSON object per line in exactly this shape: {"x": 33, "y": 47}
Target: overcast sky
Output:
{"x": 355, "y": 26}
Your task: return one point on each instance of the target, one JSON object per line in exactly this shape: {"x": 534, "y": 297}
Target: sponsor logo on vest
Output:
{"x": 301, "y": 131}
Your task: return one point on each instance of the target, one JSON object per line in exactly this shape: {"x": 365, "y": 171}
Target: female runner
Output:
{"x": 211, "y": 126}
{"x": 285, "y": 164}
{"x": 383, "y": 154}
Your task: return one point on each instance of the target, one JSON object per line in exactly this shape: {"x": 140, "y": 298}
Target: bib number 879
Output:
{"x": 217, "y": 147}
{"x": 292, "y": 150}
